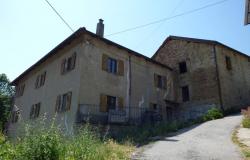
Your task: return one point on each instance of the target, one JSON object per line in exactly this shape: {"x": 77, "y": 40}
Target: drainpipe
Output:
{"x": 129, "y": 87}
{"x": 218, "y": 78}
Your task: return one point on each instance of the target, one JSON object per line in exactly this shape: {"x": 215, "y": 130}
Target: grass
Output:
{"x": 40, "y": 143}
{"x": 244, "y": 149}
{"x": 246, "y": 122}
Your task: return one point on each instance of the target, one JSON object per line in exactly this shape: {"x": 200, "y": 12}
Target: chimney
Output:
{"x": 100, "y": 28}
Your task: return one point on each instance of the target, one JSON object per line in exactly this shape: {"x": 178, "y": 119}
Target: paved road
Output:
{"x": 208, "y": 141}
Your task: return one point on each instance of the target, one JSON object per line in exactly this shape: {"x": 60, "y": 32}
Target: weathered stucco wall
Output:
{"x": 201, "y": 74}
{"x": 136, "y": 86}
{"x": 55, "y": 84}
{"x": 235, "y": 83}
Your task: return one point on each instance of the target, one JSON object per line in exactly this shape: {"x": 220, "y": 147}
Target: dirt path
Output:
{"x": 208, "y": 141}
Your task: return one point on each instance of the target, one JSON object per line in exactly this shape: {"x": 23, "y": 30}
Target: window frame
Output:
{"x": 183, "y": 67}
{"x": 185, "y": 93}
{"x": 112, "y": 65}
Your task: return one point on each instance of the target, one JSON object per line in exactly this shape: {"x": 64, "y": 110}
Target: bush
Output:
{"x": 213, "y": 113}
{"x": 246, "y": 122}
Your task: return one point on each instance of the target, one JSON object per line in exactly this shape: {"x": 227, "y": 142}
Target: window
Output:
{"x": 35, "y": 110}
{"x": 112, "y": 65}
{"x": 153, "y": 106}
{"x": 40, "y": 80}
{"x": 20, "y": 90}
{"x": 110, "y": 103}
{"x": 15, "y": 116}
{"x": 183, "y": 67}
{"x": 185, "y": 93}
{"x": 63, "y": 102}
{"x": 68, "y": 64}
{"x": 160, "y": 81}
{"x": 228, "y": 63}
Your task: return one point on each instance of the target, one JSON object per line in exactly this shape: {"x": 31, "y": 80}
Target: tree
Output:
{"x": 6, "y": 94}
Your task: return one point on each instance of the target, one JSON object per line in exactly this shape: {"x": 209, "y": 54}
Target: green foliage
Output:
{"x": 41, "y": 143}
{"x": 246, "y": 122}
{"x": 6, "y": 92}
{"x": 213, "y": 113}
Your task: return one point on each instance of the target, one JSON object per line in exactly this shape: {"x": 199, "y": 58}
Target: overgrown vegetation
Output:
{"x": 6, "y": 92}
{"x": 245, "y": 149}
{"x": 246, "y": 118}
{"x": 213, "y": 113}
{"x": 51, "y": 144}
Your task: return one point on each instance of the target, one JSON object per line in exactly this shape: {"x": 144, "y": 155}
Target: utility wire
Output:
{"x": 169, "y": 18}
{"x": 64, "y": 21}
{"x": 161, "y": 23}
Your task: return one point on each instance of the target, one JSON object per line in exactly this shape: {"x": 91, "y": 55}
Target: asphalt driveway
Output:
{"x": 207, "y": 141}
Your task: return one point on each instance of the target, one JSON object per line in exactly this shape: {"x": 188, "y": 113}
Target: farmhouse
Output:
{"x": 90, "y": 77}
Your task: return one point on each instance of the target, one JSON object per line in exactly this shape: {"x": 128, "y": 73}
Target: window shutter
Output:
{"x": 120, "y": 103}
{"x": 37, "y": 81}
{"x": 68, "y": 103}
{"x": 58, "y": 103}
{"x": 44, "y": 77}
{"x": 104, "y": 62}
{"x": 73, "y": 60}
{"x": 63, "y": 66}
{"x": 32, "y": 110}
{"x": 22, "y": 89}
{"x": 164, "y": 79}
{"x": 156, "y": 80}
{"x": 37, "y": 109}
{"x": 120, "y": 67}
{"x": 103, "y": 103}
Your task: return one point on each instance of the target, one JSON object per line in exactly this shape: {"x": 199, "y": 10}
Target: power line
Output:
{"x": 64, "y": 21}
{"x": 171, "y": 14}
{"x": 168, "y": 18}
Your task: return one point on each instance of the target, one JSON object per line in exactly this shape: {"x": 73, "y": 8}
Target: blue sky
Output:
{"x": 30, "y": 29}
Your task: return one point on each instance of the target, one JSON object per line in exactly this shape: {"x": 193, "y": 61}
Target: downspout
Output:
{"x": 129, "y": 87}
{"x": 218, "y": 77}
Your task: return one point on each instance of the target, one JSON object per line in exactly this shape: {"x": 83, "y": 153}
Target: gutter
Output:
{"x": 218, "y": 77}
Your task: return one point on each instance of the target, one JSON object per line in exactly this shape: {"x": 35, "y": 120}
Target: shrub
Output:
{"x": 213, "y": 113}
{"x": 246, "y": 122}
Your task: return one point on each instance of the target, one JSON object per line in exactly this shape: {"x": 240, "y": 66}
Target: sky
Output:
{"x": 30, "y": 29}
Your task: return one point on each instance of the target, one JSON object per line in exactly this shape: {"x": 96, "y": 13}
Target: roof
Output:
{"x": 72, "y": 37}
{"x": 212, "y": 42}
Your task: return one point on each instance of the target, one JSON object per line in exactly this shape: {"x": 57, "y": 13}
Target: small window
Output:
{"x": 228, "y": 63}
{"x": 40, "y": 80}
{"x": 112, "y": 65}
{"x": 20, "y": 90}
{"x": 183, "y": 67}
{"x": 68, "y": 64}
{"x": 160, "y": 81}
{"x": 15, "y": 116}
{"x": 153, "y": 106}
{"x": 185, "y": 93}
{"x": 63, "y": 102}
{"x": 111, "y": 102}
{"x": 35, "y": 110}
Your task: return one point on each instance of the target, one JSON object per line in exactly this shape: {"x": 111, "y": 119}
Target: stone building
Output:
{"x": 209, "y": 73}
{"x": 87, "y": 74}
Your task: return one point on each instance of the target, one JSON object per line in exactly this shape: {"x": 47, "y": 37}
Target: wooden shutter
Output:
{"x": 37, "y": 81}
{"x": 104, "y": 62}
{"x": 164, "y": 81}
{"x": 156, "y": 80}
{"x": 32, "y": 111}
{"x": 43, "y": 78}
{"x": 58, "y": 103}
{"x": 73, "y": 61}
{"x": 103, "y": 103}
{"x": 37, "y": 109}
{"x": 68, "y": 102}
{"x": 63, "y": 66}
{"x": 120, "y": 103}
{"x": 120, "y": 67}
